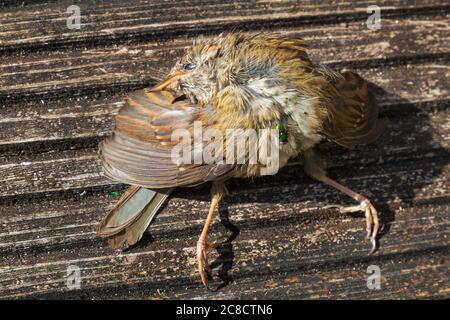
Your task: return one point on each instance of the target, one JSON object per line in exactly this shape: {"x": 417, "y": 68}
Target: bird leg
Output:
{"x": 315, "y": 168}
{"x": 217, "y": 192}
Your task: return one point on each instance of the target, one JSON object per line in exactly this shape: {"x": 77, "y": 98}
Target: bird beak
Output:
{"x": 162, "y": 85}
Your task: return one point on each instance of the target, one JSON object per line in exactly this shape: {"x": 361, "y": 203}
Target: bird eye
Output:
{"x": 190, "y": 66}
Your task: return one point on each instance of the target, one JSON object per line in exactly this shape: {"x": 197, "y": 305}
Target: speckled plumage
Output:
{"x": 243, "y": 81}
{"x": 250, "y": 81}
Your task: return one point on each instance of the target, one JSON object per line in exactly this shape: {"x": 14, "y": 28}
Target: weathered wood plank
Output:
{"x": 79, "y": 70}
{"x": 81, "y": 168}
{"x": 116, "y": 21}
{"x": 87, "y": 117}
{"x": 287, "y": 238}
{"x": 275, "y": 198}
{"x": 60, "y": 122}
{"x": 304, "y": 258}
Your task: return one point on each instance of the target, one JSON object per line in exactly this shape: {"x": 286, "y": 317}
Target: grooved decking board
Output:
{"x": 36, "y": 223}
{"x": 87, "y": 70}
{"x": 305, "y": 249}
{"x": 78, "y": 117}
{"x": 59, "y": 91}
{"x": 66, "y": 122}
{"x": 111, "y": 21}
{"x": 77, "y": 168}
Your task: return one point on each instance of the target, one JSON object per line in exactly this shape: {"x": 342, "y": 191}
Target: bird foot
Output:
{"x": 372, "y": 221}
{"x": 202, "y": 259}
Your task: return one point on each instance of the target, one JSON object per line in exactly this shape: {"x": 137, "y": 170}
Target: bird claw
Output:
{"x": 202, "y": 259}
{"x": 374, "y": 246}
{"x": 372, "y": 221}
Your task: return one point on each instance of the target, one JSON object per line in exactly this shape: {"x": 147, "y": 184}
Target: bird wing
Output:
{"x": 139, "y": 152}
{"x": 353, "y": 112}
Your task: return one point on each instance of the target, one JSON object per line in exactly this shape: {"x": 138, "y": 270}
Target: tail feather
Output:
{"x": 353, "y": 115}
{"x": 127, "y": 221}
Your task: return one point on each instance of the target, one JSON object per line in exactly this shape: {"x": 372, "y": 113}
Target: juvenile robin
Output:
{"x": 234, "y": 81}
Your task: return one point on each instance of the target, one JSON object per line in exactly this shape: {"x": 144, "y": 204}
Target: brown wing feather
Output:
{"x": 139, "y": 150}
{"x": 353, "y": 113}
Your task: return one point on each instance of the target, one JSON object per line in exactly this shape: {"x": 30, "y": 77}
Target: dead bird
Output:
{"x": 234, "y": 81}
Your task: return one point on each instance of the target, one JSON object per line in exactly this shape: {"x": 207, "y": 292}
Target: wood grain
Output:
{"x": 317, "y": 254}
{"x": 59, "y": 91}
{"x": 113, "y": 22}
{"x": 88, "y": 70}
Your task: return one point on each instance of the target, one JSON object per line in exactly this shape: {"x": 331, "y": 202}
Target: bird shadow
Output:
{"x": 224, "y": 261}
{"x": 409, "y": 127}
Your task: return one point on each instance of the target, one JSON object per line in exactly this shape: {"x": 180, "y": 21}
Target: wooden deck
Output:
{"x": 60, "y": 89}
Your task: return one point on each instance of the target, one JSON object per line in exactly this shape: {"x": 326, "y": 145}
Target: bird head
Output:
{"x": 195, "y": 73}
{"x": 238, "y": 70}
